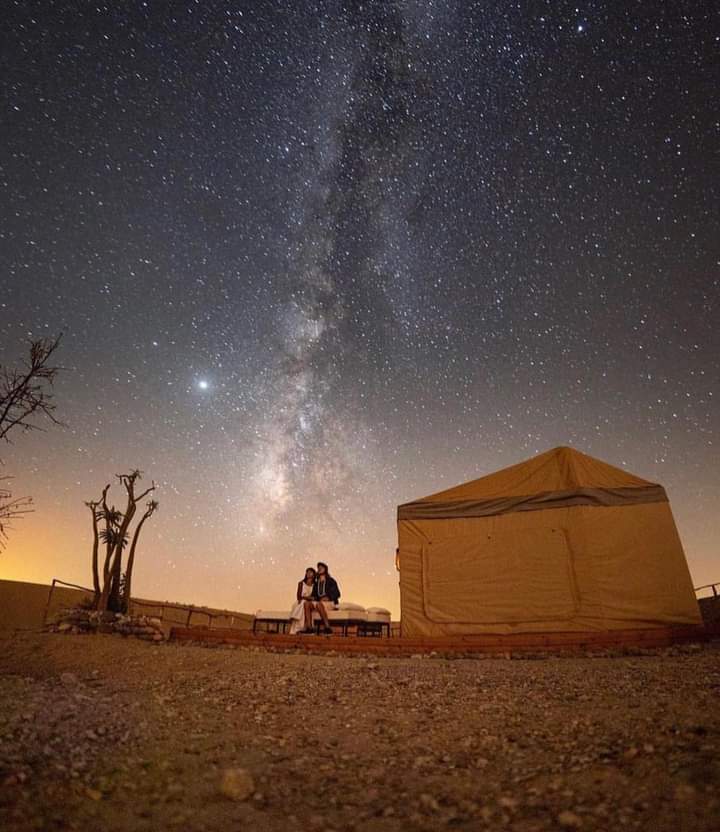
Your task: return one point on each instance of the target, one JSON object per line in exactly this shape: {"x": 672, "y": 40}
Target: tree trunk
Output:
{"x": 96, "y": 542}
{"x": 115, "y": 557}
{"x": 102, "y": 603}
{"x": 114, "y": 597}
{"x": 106, "y": 565}
{"x": 131, "y": 562}
{"x": 110, "y": 597}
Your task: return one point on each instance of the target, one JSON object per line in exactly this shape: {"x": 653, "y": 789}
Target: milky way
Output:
{"x": 313, "y": 260}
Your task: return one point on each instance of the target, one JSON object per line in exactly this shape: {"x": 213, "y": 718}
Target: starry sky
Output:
{"x": 313, "y": 260}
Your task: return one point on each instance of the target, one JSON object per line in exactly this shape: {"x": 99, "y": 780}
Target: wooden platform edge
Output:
{"x": 490, "y": 644}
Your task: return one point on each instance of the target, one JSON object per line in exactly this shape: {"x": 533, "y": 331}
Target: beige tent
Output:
{"x": 561, "y": 542}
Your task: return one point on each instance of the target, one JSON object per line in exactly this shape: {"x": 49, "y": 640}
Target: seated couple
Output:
{"x": 315, "y": 590}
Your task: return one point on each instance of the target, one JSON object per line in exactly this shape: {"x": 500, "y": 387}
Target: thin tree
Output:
{"x": 96, "y": 508}
{"x": 115, "y": 535}
{"x": 151, "y": 508}
{"x": 26, "y": 399}
{"x": 110, "y": 534}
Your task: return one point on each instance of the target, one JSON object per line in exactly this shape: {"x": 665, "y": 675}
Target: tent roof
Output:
{"x": 559, "y": 469}
{"x": 538, "y": 482}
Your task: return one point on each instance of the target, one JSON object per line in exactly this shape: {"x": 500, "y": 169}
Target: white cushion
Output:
{"x": 378, "y": 614}
{"x": 346, "y": 605}
{"x": 270, "y": 615}
{"x": 347, "y": 615}
{"x": 343, "y": 615}
{"x": 378, "y": 609}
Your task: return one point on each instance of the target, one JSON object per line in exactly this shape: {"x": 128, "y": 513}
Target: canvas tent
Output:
{"x": 560, "y": 543}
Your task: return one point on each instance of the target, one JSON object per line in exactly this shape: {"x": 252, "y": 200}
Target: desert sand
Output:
{"x": 101, "y": 732}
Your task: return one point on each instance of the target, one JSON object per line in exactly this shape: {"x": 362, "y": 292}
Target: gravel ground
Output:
{"x": 101, "y": 732}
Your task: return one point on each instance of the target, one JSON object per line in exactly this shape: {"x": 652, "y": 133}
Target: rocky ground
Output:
{"x": 101, "y": 732}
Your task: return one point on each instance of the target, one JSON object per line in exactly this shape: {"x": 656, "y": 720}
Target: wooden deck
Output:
{"x": 491, "y": 644}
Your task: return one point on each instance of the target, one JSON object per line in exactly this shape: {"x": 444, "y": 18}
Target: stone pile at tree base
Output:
{"x": 78, "y": 620}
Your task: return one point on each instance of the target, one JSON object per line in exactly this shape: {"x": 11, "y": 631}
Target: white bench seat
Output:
{"x": 343, "y": 616}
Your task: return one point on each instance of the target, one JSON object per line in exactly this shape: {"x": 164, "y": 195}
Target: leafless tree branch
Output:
{"x": 26, "y": 396}
{"x": 10, "y": 509}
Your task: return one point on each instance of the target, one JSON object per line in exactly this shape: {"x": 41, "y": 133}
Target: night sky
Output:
{"x": 312, "y": 260}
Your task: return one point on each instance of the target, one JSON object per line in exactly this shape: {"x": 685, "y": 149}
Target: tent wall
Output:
{"x": 579, "y": 568}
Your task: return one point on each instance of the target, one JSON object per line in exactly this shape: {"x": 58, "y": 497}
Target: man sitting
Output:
{"x": 326, "y": 588}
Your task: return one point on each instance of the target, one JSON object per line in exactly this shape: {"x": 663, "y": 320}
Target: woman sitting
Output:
{"x": 298, "y": 616}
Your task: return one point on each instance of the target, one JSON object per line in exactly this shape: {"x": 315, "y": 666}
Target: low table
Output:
{"x": 275, "y": 622}
{"x": 374, "y": 629}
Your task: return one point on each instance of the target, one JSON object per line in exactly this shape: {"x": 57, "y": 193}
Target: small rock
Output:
{"x": 68, "y": 679}
{"x": 685, "y": 792}
{"x": 428, "y": 802}
{"x": 422, "y": 760}
{"x": 237, "y": 784}
{"x": 569, "y": 820}
{"x": 93, "y": 794}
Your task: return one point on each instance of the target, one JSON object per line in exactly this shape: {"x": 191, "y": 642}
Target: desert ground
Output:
{"x": 101, "y": 732}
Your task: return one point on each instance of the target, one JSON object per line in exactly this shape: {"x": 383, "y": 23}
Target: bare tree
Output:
{"x": 110, "y": 534}
{"x": 113, "y": 593}
{"x": 151, "y": 508}
{"x": 97, "y": 507}
{"x": 11, "y": 509}
{"x": 26, "y": 395}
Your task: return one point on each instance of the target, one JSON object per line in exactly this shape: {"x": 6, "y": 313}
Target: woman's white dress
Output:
{"x": 297, "y": 614}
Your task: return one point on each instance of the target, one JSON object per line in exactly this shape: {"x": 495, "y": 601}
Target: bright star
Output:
{"x": 203, "y": 385}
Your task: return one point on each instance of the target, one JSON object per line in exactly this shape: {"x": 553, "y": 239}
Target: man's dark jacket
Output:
{"x": 332, "y": 590}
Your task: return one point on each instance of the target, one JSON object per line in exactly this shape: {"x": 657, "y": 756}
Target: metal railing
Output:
{"x": 191, "y": 610}
{"x": 52, "y": 590}
{"x": 713, "y": 587}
